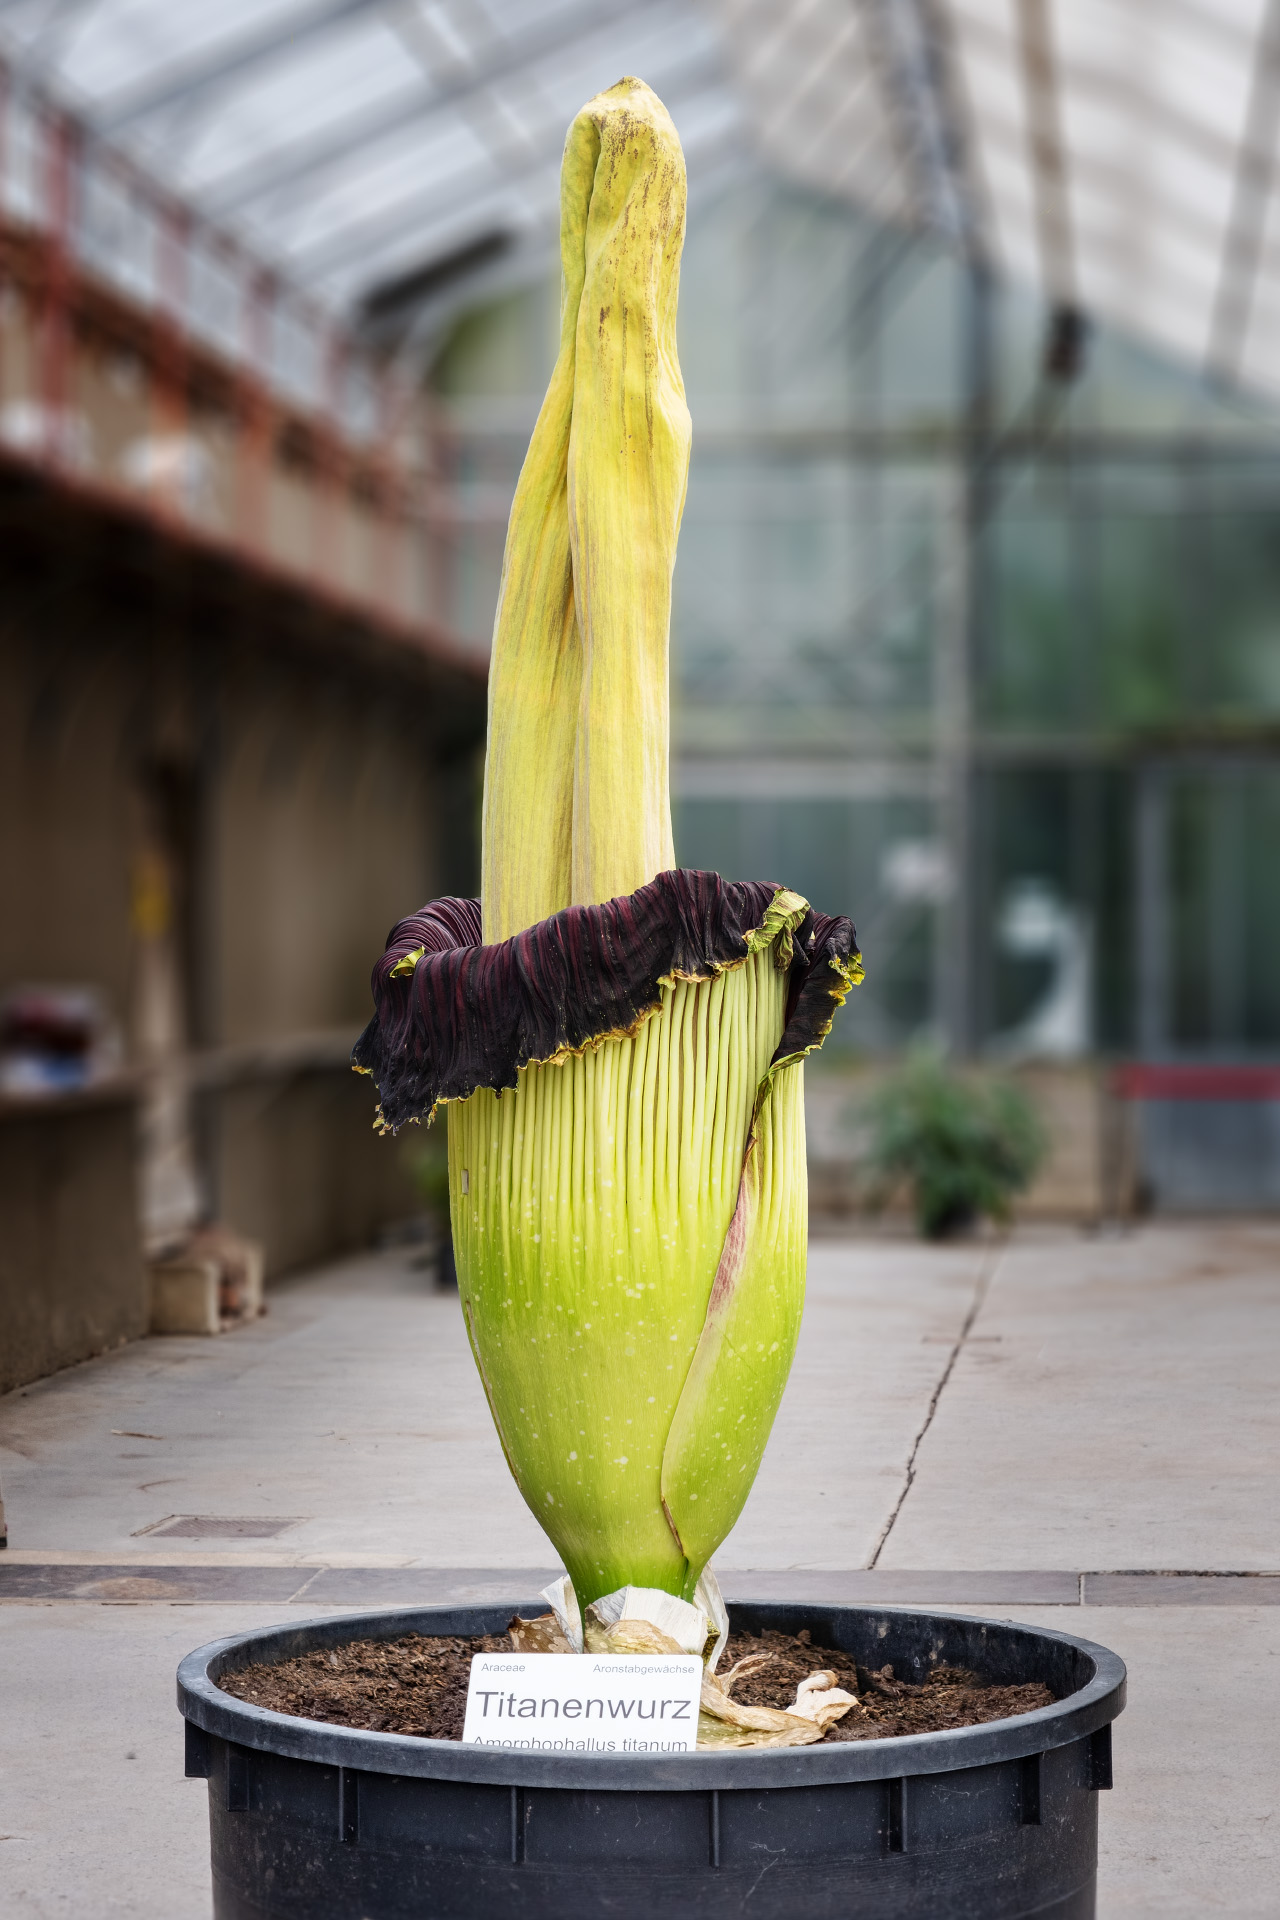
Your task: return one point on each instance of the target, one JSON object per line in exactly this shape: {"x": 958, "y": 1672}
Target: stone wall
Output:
{"x": 212, "y": 790}
{"x": 72, "y": 1279}
{"x": 300, "y": 1168}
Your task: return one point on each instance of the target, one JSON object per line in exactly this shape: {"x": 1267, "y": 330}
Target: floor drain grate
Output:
{"x": 213, "y": 1526}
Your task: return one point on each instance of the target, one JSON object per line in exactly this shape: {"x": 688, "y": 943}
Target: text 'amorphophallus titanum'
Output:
{"x": 620, "y": 1043}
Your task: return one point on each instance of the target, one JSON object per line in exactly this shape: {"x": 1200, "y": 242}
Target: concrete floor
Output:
{"x": 1022, "y": 1416}
{"x": 1114, "y": 1406}
{"x": 355, "y": 1406}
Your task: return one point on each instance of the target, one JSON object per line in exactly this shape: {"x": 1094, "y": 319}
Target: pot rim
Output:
{"x": 204, "y": 1703}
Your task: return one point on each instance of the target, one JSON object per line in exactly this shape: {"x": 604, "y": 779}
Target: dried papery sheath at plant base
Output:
{"x": 620, "y": 1043}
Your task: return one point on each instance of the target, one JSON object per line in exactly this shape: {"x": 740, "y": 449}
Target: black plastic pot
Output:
{"x": 316, "y": 1822}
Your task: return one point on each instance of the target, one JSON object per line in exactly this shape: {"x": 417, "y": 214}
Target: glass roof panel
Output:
{"x": 295, "y": 121}
{"x": 1119, "y": 152}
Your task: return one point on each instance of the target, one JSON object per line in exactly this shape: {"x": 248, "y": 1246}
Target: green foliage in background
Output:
{"x": 963, "y": 1147}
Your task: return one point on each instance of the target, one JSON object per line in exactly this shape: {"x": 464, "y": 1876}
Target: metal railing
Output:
{"x": 151, "y": 358}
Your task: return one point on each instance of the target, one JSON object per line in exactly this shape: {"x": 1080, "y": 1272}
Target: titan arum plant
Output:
{"x": 619, "y": 1043}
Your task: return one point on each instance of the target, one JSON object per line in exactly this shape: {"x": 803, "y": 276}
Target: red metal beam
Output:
{"x": 433, "y": 642}
{"x": 319, "y": 502}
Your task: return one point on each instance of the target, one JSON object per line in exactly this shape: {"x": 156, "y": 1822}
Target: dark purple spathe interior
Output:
{"x": 470, "y": 1015}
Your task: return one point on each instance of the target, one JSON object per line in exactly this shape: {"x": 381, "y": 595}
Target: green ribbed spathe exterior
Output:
{"x": 592, "y": 1211}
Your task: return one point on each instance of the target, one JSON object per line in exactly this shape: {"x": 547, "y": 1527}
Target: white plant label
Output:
{"x": 584, "y": 1702}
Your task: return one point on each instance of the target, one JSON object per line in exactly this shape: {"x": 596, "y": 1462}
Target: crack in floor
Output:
{"x": 981, "y": 1289}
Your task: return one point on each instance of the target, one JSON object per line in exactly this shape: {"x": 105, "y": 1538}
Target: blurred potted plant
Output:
{"x": 962, "y": 1146}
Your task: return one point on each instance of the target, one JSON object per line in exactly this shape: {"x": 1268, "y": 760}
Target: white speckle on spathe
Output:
{"x": 573, "y": 1456}
{"x": 551, "y": 1499}
{"x": 621, "y": 1461}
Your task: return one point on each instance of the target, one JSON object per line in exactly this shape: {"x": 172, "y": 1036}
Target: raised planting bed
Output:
{"x": 316, "y": 1821}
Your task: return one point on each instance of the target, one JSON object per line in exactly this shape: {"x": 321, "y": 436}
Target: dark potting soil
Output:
{"x": 946, "y": 1697}
{"x": 418, "y": 1685}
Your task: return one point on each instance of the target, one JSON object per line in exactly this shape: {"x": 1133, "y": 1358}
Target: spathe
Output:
{"x": 453, "y": 1015}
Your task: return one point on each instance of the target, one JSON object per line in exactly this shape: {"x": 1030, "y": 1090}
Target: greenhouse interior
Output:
{"x": 320, "y": 749}
{"x": 973, "y": 630}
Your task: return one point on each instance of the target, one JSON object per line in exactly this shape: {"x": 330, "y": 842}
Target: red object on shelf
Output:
{"x": 1190, "y": 1080}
